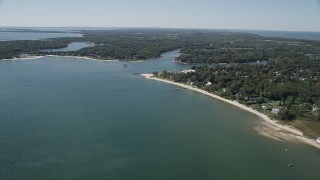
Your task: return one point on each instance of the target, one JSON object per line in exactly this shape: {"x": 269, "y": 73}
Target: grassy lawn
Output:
{"x": 310, "y": 128}
{"x": 273, "y": 103}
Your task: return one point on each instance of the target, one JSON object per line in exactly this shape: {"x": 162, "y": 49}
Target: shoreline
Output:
{"x": 179, "y": 62}
{"x": 83, "y": 57}
{"x": 76, "y": 57}
{"x": 24, "y": 58}
{"x": 283, "y": 132}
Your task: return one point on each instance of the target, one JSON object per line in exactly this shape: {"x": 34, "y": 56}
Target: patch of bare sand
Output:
{"x": 276, "y": 133}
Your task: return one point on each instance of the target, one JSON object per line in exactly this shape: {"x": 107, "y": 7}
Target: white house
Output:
{"x": 275, "y": 111}
{"x": 224, "y": 90}
{"x": 188, "y": 71}
{"x": 314, "y": 109}
{"x": 318, "y": 140}
{"x": 208, "y": 84}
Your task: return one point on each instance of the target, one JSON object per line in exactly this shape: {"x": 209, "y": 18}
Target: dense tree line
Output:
{"x": 10, "y": 49}
{"x": 129, "y": 44}
{"x": 244, "y": 48}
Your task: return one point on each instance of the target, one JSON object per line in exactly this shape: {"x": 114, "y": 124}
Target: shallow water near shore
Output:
{"x": 66, "y": 118}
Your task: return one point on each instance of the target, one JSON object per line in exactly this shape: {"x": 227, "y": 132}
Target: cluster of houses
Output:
{"x": 275, "y": 111}
{"x": 188, "y": 71}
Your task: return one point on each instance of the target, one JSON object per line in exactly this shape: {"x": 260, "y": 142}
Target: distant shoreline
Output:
{"x": 24, "y": 58}
{"x": 76, "y": 57}
{"x": 83, "y": 57}
{"x": 270, "y": 128}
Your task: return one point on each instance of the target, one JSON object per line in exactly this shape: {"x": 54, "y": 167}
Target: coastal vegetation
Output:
{"x": 246, "y": 48}
{"x": 12, "y": 49}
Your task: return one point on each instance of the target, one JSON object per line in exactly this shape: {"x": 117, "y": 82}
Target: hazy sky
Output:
{"x": 217, "y": 14}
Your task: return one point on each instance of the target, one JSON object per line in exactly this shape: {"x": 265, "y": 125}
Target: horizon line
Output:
{"x": 186, "y": 28}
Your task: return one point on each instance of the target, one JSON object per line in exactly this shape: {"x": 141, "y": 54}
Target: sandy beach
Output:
{"x": 26, "y": 58}
{"x": 80, "y": 57}
{"x": 268, "y": 127}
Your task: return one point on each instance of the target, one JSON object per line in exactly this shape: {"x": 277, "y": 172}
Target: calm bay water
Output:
{"x": 74, "y": 46}
{"x": 64, "y": 118}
